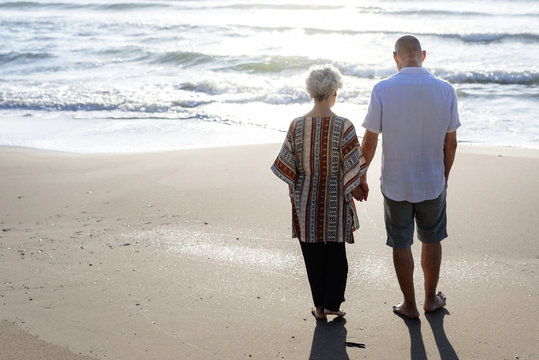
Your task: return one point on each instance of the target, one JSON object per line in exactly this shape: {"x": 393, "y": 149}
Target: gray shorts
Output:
{"x": 429, "y": 215}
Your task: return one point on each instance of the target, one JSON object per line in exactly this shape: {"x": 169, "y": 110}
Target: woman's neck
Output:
{"x": 320, "y": 109}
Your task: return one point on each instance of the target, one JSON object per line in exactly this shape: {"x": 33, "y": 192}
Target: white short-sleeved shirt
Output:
{"x": 413, "y": 110}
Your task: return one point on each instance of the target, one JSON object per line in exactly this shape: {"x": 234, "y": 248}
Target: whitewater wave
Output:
{"x": 120, "y": 6}
{"x": 499, "y": 77}
{"x": 23, "y": 57}
{"x": 467, "y": 37}
{"x": 256, "y": 65}
{"x": 250, "y": 64}
{"x": 283, "y": 64}
{"x": 443, "y": 12}
{"x": 194, "y": 95}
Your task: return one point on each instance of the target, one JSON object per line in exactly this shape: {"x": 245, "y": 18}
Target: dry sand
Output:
{"x": 187, "y": 255}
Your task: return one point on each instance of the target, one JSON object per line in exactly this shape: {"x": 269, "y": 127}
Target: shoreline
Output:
{"x": 151, "y": 255}
{"x": 462, "y": 146}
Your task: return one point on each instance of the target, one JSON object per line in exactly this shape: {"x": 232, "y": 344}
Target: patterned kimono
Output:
{"x": 321, "y": 161}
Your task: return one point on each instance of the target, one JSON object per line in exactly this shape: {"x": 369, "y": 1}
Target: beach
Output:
{"x": 187, "y": 254}
{"x": 139, "y": 218}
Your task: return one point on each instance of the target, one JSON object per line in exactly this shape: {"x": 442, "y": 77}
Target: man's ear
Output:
{"x": 395, "y": 57}
{"x": 424, "y": 55}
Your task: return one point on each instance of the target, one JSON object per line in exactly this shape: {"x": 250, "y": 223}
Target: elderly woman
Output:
{"x": 322, "y": 163}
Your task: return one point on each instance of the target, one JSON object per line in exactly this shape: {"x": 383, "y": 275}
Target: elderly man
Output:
{"x": 417, "y": 115}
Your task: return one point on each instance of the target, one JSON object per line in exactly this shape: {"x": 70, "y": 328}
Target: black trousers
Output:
{"x": 327, "y": 270}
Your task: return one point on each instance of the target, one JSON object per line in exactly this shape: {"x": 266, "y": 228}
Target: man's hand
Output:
{"x": 358, "y": 194}
{"x": 361, "y": 192}
{"x": 365, "y": 188}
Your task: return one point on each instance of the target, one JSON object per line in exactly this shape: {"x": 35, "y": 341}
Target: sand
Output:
{"x": 187, "y": 255}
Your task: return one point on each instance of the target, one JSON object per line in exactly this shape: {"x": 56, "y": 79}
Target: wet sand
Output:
{"x": 187, "y": 255}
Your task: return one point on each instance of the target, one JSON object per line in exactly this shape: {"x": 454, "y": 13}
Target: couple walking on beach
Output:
{"x": 325, "y": 167}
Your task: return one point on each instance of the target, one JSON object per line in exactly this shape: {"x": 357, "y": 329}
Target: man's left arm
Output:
{"x": 450, "y": 148}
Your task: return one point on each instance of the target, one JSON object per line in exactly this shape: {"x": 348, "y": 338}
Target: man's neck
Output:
{"x": 410, "y": 65}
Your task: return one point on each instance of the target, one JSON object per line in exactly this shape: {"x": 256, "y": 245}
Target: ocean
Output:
{"x": 138, "y": 76}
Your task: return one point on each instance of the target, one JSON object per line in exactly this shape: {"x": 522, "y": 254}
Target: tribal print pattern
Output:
{"x": 321, "y": 161}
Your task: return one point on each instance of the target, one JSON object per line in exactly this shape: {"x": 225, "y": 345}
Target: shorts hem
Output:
{"x": 399, "y": 245}
{"x": 430, "y": 241}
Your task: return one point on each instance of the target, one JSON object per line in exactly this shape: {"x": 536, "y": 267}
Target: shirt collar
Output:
{"x": 413, "y": 70}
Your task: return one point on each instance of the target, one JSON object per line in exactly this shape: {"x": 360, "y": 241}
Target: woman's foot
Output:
{"x": 437, "y": 303}
{"x": 405, "y": 310}
{"x": 318, "y": 313}
{"x": 331, "y": 312}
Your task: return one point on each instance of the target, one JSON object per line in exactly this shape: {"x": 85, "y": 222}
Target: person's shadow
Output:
{"x": 329, "y": 340}
{"x": 436, "y": 322}
{"x": 417, "y": 347}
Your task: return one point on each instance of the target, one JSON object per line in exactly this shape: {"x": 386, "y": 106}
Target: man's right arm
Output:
{"x": 368, "y": 147}
{"x": 450, "y": 148}
{"x": 373, "y": 121}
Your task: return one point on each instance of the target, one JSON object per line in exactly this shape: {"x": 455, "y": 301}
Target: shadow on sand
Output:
{"x": 436, "y": 322}
{"x": 329, "y": 340}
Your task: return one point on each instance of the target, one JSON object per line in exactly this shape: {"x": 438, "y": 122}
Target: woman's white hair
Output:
{"x": 323, "y": 81}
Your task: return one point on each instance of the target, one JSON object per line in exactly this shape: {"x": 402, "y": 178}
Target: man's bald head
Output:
{"x": 408, "y": 52}
{"x": 408, "y": 45}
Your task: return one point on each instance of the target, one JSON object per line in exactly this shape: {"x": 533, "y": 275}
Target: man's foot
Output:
{"x": 331, "y": 312}
{"x": 404, "y": 310}
{"x": 438, "y": 303}
{"x": 318, "y": 313}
